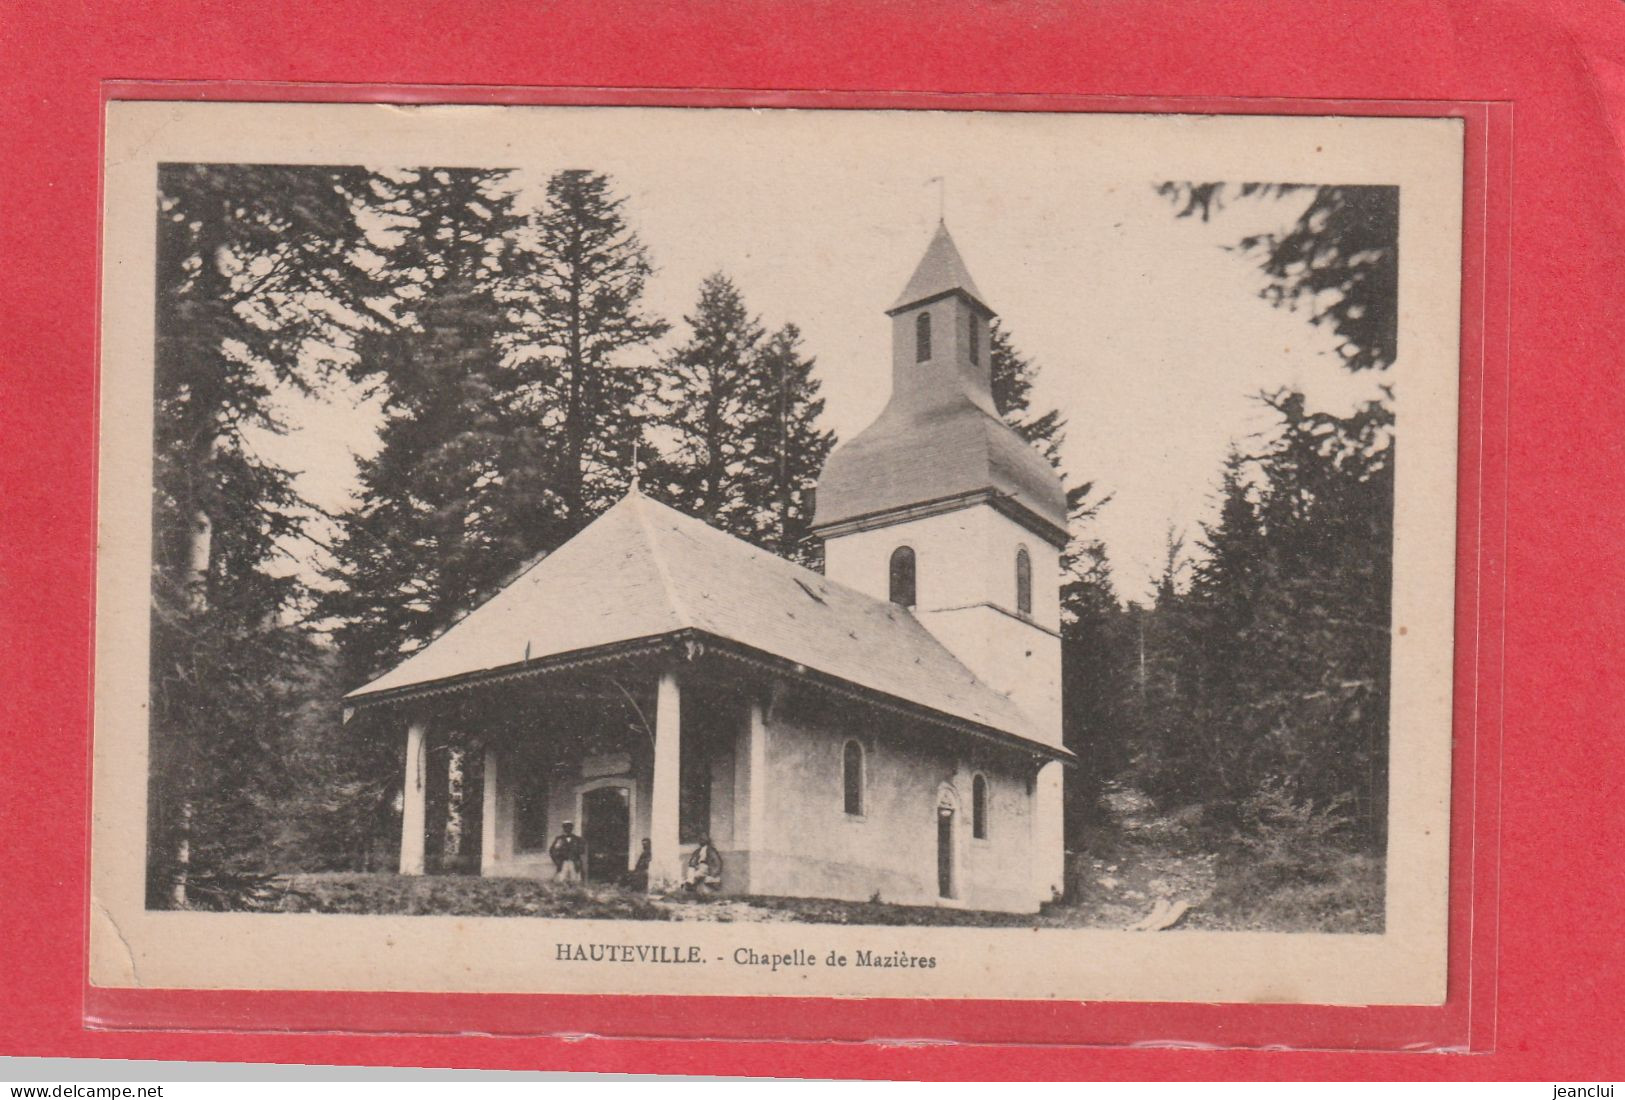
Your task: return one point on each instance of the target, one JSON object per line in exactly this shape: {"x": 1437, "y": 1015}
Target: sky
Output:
{"x": 1148, "y": 331}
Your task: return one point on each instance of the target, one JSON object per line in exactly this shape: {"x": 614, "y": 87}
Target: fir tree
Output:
{"x": 793, "y": 448}
{"x": 257, "y": 288}
{"x": 740, "y": 408}
{"x": 1317, "y": 714}
{"x": 578, "y": 296}
{"x": 1270, "y": 674}
{"x": 1340, "y": 257}
{"x": 1013, "y": 378}
{"x": 1278, "y": 717}
{"x": 707, "y": 398}
{"x": 448, "y": 505}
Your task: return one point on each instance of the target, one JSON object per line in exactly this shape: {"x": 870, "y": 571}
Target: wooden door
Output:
{"x": 607, "y": 830}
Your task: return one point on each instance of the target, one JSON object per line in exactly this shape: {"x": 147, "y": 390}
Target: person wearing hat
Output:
{"x": 567, "y": 851}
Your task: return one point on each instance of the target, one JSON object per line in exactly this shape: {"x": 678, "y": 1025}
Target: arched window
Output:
{"x": 975, "y": 341}
{"x": 978, "y": 807}
{"x": 922, "y": 337}
{"x": 852, "y": 778}
{"x": 1024, "y": 582}
{"x": 902, "y": 576}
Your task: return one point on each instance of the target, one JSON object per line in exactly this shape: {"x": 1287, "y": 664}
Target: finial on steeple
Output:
{"x": 635, "y": 487}
{"x": 942, "y": 198}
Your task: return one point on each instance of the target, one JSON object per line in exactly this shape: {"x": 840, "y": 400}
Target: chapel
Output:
{"x": 889, "y": 728}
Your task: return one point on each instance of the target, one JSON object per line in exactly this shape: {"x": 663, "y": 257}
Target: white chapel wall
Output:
{"x": 965, "y": 580}
{"x": 813, "y": 848}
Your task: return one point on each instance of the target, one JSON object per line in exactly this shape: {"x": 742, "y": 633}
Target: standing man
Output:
{"x": 567, "y": 852}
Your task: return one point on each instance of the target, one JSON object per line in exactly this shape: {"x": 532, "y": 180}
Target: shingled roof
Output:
{"x": 952, "y": 451}
{"x": 643, "y": 570}
{"x": 940, "y": 271}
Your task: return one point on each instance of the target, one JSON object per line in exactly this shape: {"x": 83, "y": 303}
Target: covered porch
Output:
{"x": 654, "y": 742}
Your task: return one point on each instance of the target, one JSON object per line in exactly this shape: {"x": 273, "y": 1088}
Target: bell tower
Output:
{"x": 942, "y": 508}
{"x": 940, "y": 334}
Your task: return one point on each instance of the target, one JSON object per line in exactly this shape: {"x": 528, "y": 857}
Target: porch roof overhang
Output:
{"x": 690, "y": 644}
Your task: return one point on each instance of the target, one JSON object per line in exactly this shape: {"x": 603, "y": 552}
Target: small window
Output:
{"x": 978, "y": 808}
{"x": 1024, "y": 582}
{"x": 852, "y": 778}
{"x": 530, "y": 806}
{"x": 922, "y": 337}
{"x": 975, "y": 341}
{"x": 902, "y": 576}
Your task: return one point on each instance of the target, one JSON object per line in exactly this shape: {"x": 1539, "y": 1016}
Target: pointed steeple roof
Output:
{"x": 941, "y": 271}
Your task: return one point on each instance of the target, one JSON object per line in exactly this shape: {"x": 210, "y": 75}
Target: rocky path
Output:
{"x": 1140, "y": 864}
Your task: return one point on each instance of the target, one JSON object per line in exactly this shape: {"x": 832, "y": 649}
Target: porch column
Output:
{"x": 413, "y": 797}
{"x": 666, "y": 857}
{"x": 756, "y": 812}
{"x": 488, "y": 812}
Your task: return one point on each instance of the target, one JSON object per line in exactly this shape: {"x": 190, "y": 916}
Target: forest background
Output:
{"x": 1237, "y": 711}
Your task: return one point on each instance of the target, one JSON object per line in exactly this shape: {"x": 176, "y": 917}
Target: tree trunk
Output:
{"x": 199, "y": 544}
{"x": 183, "y": 855}
{"x": 199, "y": 551}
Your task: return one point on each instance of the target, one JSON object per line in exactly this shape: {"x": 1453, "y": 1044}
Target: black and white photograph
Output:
{"x": 811, "y": 550}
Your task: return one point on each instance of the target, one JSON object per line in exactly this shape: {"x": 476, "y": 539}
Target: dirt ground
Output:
{"x": 1141, "y": 857}
{"x": 1134, "y": 861}
{"x": 1139, "y": 867}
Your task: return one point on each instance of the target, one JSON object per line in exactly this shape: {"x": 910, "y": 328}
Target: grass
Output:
{"x": 460, "y": 896}
{"x": 1140, "y": 854}
{"x": 1329, "y": 891}
{"x": 473, "y": 896}
{"x": 1137, "y": 857}
{"x": 830, "y": 911}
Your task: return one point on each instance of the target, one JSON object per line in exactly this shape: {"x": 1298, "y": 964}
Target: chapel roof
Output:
{"x": 643, "y": 569}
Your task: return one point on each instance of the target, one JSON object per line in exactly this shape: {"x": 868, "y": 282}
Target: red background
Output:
{"x": 1536, "y": 948}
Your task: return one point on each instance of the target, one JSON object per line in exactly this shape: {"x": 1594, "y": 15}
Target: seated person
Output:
{"x": 704, "y": 871}
{"x": 638, "y": 877}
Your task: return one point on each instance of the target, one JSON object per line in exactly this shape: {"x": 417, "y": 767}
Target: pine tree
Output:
{"x": 1318, "y": 703}
{"x": 1013, "y": 378}
{"x": 1220, "y": 652}
{"x": 1340, "y": 257}
{"x": 1169, "y": 748}
{"x": 1289, "y": 614}
{"x": 449, "y": 504}
{"x": 257, "y": 288}
{"x": 707, "y": 399}
{"x": 1087, "y": 577}
{"x": 740, "y": 408}
{"x": 1269, "y": 676}
{"x": 578, "y": 295}
{"x": 792, "y": 448}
